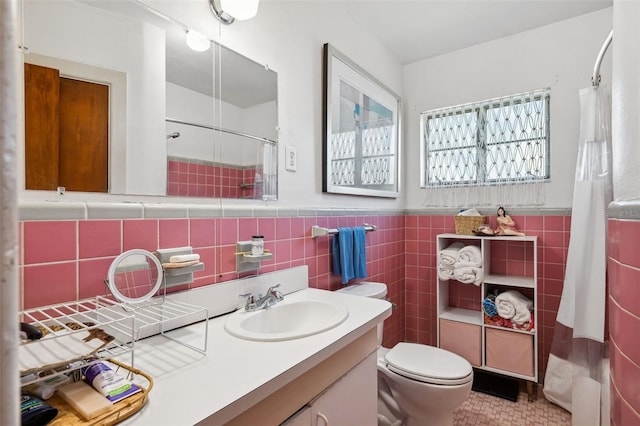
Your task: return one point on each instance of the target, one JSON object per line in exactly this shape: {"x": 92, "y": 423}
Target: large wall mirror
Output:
{"x": 173, "y": 121}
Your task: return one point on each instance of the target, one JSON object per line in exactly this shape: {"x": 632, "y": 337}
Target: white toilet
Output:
{"x": 418, "y": 385}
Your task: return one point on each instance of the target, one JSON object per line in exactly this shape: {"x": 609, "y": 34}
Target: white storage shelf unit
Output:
{"x": 462, "y": 330}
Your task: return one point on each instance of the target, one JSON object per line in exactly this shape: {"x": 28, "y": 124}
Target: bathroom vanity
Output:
{"x": 241, "y": 382}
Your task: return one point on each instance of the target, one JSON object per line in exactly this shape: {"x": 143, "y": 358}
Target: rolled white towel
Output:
{"x": 446, "y": 273}
{"x": 471, "y": 255}
{"x": 446, "y": 259}
{"x": 449, "y": 255}
{"x": 467, "y": 273}
{"x": 514, "y": 306}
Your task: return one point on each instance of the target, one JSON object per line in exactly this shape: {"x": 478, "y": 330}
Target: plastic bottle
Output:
{"x": 46, "y": 387}
{"x": 257, "y": 186}
{"x": 44, "y": 392}
{"x": 108, "y": 382}
{"x": 257, "y": 245}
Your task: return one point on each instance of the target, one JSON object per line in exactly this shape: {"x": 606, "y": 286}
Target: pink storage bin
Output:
{"x": 510, "y": 351}
{"x": 462, "y": 339}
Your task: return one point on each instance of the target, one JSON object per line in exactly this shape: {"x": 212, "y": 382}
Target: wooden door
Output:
{"x": 41, "y": 101}
{"x": 84, "y": 136}
{"x": 66, "y": 132}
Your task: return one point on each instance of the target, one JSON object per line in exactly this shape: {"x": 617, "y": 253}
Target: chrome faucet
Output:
{"x": 272, "y": 297}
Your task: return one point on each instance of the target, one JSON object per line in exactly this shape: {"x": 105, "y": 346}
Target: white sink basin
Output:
{"x": 286, "y": 320}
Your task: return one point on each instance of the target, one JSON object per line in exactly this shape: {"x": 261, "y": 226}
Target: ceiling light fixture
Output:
{"x": 197, "y": 41}
{"x": 227, "y": 11}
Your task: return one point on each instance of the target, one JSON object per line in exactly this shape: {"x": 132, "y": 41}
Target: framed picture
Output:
{"x": 361, "y": 131}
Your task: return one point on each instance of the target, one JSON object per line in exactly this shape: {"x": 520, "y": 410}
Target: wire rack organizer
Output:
{"x": 139, "y": 279}
{"x": 75, "y": 334}
{"x": 162, "y": 316}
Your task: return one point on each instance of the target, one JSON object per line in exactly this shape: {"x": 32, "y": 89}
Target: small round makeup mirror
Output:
{"x": 135, "y": 276}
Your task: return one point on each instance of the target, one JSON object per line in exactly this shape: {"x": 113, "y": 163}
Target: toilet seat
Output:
{"x": 428, "y": 364}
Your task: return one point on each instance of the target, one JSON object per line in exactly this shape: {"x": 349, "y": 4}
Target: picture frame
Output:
{"x": 361, "y": 130}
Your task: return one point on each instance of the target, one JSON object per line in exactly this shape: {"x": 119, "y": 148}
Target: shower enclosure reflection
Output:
{"x": 232, "y": 101}
{"x": 247, "y": 170}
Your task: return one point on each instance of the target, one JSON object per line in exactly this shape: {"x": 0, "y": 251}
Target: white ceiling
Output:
{"x": 419, "y": 29}
{"x": 411, "y": 29}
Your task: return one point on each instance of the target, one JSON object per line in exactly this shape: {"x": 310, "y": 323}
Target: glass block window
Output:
{"x": 499, "y": 140}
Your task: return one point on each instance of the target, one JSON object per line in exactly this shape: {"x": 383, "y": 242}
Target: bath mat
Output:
{"x": 495, "y": 385}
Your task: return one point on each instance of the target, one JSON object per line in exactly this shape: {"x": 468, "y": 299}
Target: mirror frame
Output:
{"x": 338, "y": 70}
{"x": 111, "y": 280}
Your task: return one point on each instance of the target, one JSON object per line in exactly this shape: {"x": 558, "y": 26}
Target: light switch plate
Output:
{"x": 291, "y": 159}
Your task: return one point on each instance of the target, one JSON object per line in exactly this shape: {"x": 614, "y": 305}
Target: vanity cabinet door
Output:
{"x": 301, "y": 418}
{"x": 352, "y": 400}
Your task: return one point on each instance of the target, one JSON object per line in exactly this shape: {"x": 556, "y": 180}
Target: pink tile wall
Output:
{"x": 206, "y": 180}
{"x": 465, "y": 296}
{"x": 69, "y": 260}
{"x": 421, "y": 279}
{"x": 624, "y": 320}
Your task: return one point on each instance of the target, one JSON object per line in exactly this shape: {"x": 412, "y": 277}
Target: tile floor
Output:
{"x": 485, "y": 410}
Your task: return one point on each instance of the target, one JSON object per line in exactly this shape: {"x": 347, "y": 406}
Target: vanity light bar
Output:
{"x": 317, "y": 231}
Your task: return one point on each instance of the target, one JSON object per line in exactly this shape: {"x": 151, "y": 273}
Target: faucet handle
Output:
{"x": 275, "y": 293}
{"x": 251, "y": 301}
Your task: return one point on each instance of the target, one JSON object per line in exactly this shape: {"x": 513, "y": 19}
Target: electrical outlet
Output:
{"x": 291, "y": 159}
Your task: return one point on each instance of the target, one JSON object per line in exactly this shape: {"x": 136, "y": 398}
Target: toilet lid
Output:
{"x": 428, "y": 364}
{"x": 366, "y": 289}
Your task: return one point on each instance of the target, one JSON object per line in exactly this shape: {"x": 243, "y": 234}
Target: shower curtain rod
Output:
{"x": 221, "y": 129}
{"x": 595, "y": 78}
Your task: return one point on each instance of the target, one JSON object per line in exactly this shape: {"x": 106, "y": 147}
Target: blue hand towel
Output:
{"x": 349, "y": 253}
{"x": 343, "y": 254}
{"x": 359, "y": 253}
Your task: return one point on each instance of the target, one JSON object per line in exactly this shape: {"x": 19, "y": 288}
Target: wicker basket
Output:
{"x": 465, "y": 225}
{"x": 67, "y": 416}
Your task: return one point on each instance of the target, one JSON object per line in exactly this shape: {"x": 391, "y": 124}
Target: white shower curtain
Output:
{"x": 577, "y": 375}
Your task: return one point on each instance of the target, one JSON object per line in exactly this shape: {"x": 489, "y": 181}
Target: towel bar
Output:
{"x": 317, "y": 231}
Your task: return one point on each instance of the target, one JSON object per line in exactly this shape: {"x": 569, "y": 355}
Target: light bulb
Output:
{"x": 240, "y": 9}
{"x": 197, "y": 41}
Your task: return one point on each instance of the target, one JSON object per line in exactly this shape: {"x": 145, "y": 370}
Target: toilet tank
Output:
{"x": 368, "y": 289}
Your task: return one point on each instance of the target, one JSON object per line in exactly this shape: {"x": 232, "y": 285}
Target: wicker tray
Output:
{"x": 67, "y": 416}
{"x": 465, "y": 225}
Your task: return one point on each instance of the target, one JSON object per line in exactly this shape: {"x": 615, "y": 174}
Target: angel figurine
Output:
{"x": 506, "y": 225}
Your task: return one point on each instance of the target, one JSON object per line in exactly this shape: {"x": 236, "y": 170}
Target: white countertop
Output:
{"x": 234, "y": 374}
